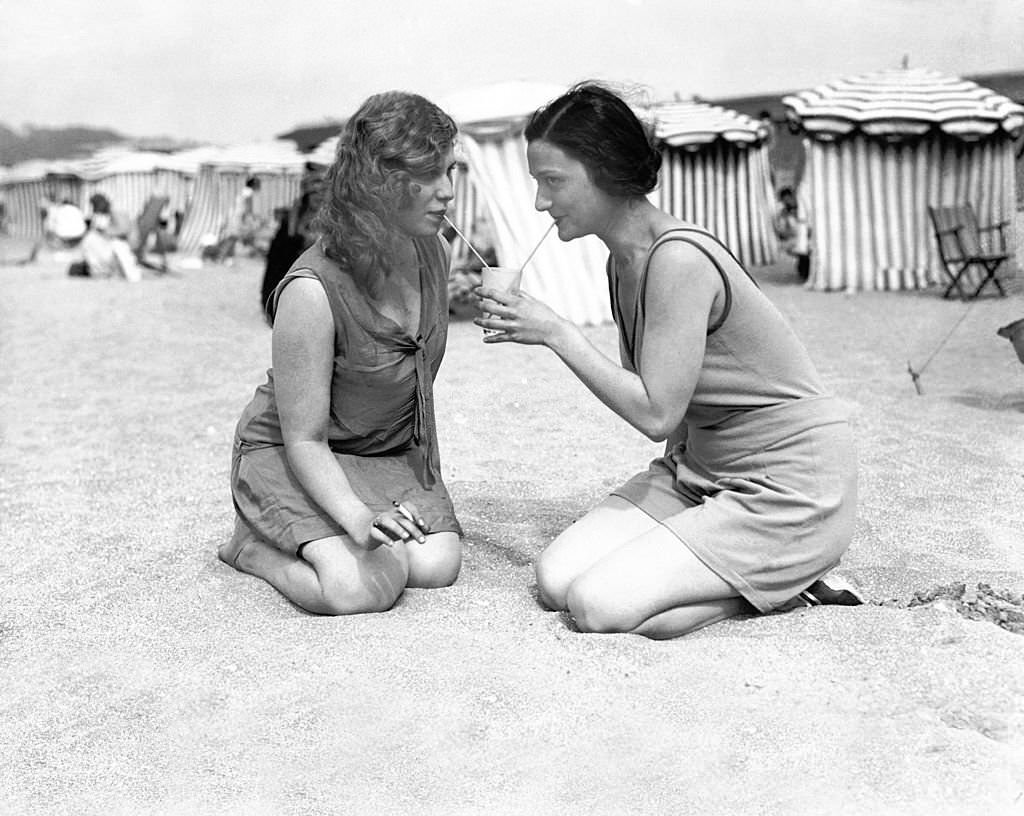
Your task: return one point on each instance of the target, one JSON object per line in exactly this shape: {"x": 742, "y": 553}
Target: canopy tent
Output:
{"x": 222, "y": 174}
{"x": 127, "y": 178}
{"x": 882, "y": 148}
{"x": 569, "y": 277}
{"x": 201, "y": 183}
{"x": 715, "y": 173}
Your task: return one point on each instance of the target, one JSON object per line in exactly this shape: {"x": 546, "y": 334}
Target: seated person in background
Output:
{"x": 794, "y": 231}
{"x": 64, "y": 225}
{"x": 107, "y": 244}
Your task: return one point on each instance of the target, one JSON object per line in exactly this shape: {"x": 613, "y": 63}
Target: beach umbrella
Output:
{"x": 884, "y": 146}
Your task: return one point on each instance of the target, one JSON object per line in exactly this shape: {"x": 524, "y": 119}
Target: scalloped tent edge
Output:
{"x": 902, "y": 105}
{"x": 693, "y": 125}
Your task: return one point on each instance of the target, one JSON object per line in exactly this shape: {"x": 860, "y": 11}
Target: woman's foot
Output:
{"x": 829, "y": 590}
{"x": 229, "y": 551}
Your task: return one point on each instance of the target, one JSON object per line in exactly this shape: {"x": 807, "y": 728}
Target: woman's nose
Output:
{"x": 541, "y": 202}
{"x": 445, "y": 191}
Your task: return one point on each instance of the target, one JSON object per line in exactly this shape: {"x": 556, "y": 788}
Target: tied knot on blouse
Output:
{"x": 423, "y": 434}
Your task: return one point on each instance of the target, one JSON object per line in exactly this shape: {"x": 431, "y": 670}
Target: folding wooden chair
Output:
{"x": 964, "y": 245}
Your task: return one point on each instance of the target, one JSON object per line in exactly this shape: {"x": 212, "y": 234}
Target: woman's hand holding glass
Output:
{"x": 516, "y": 317}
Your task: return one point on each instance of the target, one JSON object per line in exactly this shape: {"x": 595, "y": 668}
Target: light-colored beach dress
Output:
{"x": 763, "y": 488}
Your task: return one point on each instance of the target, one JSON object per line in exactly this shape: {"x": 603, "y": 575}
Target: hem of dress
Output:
{"x": 732, "y": 578}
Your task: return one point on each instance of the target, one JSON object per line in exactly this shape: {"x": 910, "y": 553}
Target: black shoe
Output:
{"x": 832, "y": 590}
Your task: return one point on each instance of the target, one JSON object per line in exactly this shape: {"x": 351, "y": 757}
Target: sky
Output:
{"x": 229, "y": 71}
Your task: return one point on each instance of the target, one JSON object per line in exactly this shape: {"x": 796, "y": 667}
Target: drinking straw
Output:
{"x": 464, "y": 238}
{"x": 551, "y": 226}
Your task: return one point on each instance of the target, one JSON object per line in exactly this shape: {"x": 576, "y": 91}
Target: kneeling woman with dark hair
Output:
{"x": 753, "y": 501}
{"x": 335, "y": 474}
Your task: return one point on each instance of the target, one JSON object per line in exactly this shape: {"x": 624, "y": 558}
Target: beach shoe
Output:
{"x": 829, "y": 590}
{"x": 833, "y": 590}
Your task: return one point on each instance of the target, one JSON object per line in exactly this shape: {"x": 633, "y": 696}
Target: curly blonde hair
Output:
{"x": 392, "y": 140}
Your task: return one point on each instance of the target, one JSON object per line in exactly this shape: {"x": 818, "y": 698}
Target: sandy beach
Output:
{"x": 143, "y": 676}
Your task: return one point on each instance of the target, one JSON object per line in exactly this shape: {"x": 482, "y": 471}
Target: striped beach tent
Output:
{"x": 569, "y": 277}
{"x": 221, "y": 176}
{"x": 127, "y": 177}
{"x": 715, "y": 172}
{"x": 883, "y": 147}
{"x": 24, "y": 187}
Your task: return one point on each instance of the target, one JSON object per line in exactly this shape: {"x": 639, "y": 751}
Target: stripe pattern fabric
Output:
{"x": 881, "y": 148}
{"x": 899, "y": 103}
{"x": 728, "y": 191}
{"x": 869, "y": 206}
{"x": 569, "y": 277}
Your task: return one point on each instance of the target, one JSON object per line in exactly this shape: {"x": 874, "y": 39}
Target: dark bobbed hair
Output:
{"x": 392, "y": 140}
{"x": 595, "y": 126}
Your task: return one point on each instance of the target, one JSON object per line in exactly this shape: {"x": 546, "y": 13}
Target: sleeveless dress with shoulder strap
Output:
{"x": 762, "y": 488}
{"x": 382, "y": 429}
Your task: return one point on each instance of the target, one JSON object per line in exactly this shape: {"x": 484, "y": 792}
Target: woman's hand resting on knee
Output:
{"x": 402, "y": 523}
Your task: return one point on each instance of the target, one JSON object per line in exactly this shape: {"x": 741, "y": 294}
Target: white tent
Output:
{"x": 128, "y": 178}
{"x": 570, "y": 277}
{"x": 884, "y": 146}
{"x": 222, "y": 174}
{"x": 201, "y": 183}
{"x": 715, "y": 172}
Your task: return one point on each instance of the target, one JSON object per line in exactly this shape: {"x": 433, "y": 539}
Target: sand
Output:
{"x": 143, "y": 676}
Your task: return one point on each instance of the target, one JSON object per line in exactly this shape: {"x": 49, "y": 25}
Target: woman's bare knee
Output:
{"x": 552, "y": 582}
{"x": 435, "y": 563}
{"x": 354, "y": 581}
{"x": 594, "y": 611}
{"x": 340, "y": 598}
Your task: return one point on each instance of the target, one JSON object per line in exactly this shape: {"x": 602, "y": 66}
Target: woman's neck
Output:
{"x": 631, "y": 229}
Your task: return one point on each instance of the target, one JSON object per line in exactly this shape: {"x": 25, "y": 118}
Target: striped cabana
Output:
{"x": 127, "y": 178}
{"x": 883, "y": 147}
{"x": 25, "y": 187}
{"x": 130, "y": 179}
{"x": 569, "y": 277}
{"x": 715, "y": 173}
{"x": 222, "y": 175}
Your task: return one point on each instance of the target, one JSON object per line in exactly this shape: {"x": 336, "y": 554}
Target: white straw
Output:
{"x": 464, "y": 238}
{"x": 551, "y": 226}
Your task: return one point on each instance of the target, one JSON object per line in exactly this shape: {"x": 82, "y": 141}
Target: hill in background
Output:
{"x": 74, "y": 142}
{"x": 53, "y": 143}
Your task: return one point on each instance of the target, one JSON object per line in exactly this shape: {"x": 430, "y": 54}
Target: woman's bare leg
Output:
{"x": 334, "y": 576}
{"x": 604, "y": 529}
{"x": 653, "y": 585}
{"x": 436, "y": 562}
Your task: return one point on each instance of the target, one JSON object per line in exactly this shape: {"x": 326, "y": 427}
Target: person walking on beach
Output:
{"x": 335, "y": 474}
{"x": 753, "y": 502}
